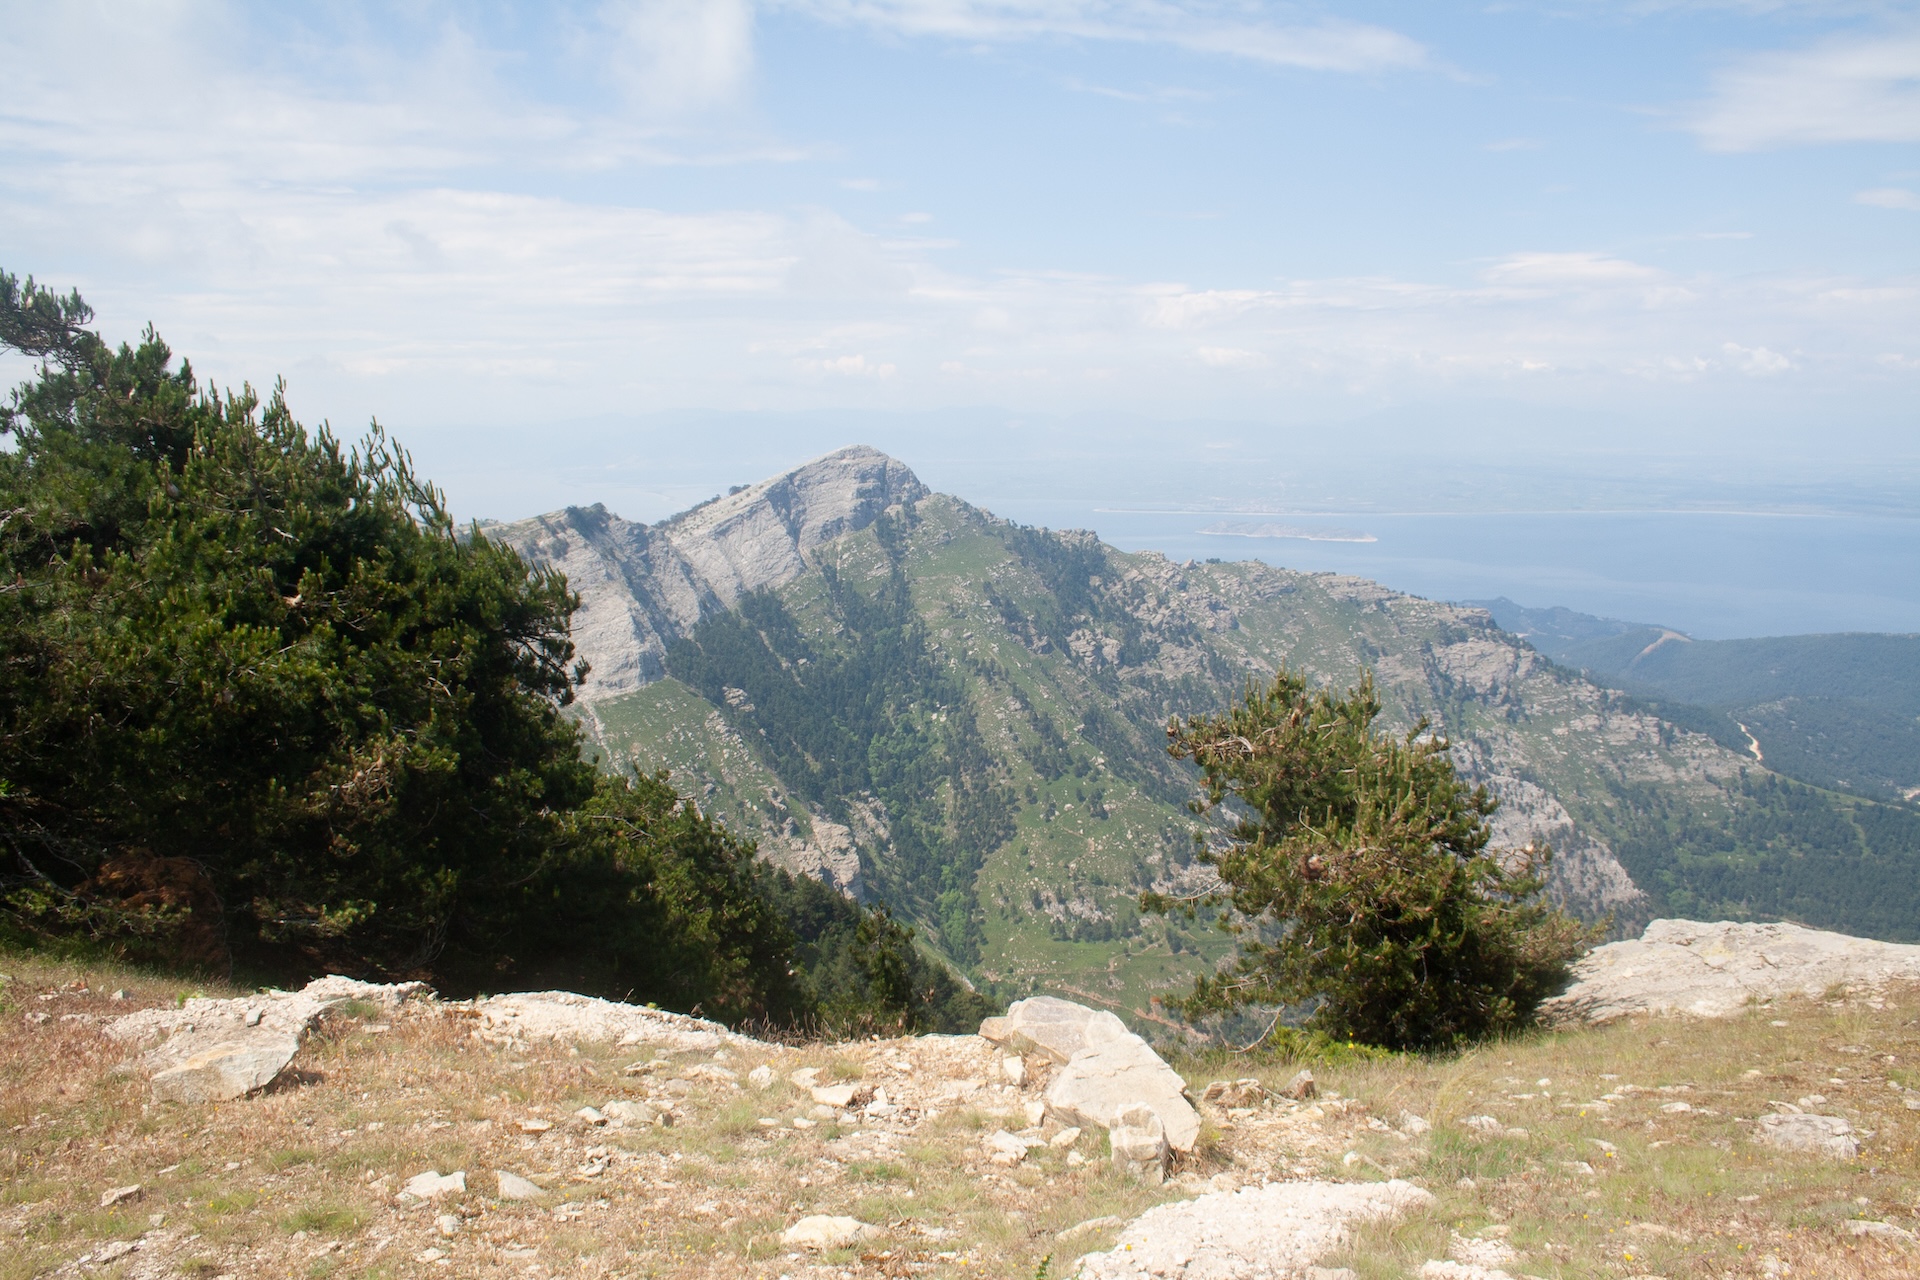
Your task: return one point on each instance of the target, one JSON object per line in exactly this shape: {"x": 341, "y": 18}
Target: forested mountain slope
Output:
{"x": 966, "y": 718}
{"x": 1839, "y": 711}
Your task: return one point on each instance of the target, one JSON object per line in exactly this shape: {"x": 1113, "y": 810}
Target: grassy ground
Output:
{"x": 302, "y": 1181}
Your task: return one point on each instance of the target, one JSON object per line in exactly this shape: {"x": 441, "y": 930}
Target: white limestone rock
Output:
{"x": 227, "y": 1070}
{"x": 1713, "y": 970}
{"x": 1256, "y": 1233}
{"x": 570, "y": 1018}
{"x": 511, "y": 1186}
{"x": 1828, "y": 1136}
{"x": 1103, "y": 1067}
{"x": 824, "y": 1231}
{"x": 1139, "y": 1143}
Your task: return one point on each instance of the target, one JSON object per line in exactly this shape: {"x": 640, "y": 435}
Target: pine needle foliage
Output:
{"x": 263, "y": 706}
{"x": 1360, "y": 879}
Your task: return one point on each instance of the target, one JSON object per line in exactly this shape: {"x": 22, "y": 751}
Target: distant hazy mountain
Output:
{"x": 1839, "y": 711}
{"x": 920, "y": 702}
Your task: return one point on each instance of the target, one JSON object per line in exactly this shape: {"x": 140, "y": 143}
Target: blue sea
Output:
{"x": 1711, "y": 574}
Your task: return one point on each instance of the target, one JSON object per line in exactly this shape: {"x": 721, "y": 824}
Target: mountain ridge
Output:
{"x": 964, "y": 717}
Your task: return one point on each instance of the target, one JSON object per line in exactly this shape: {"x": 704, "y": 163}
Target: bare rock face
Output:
{"x": 1257, "y": 1233}
{"x": 1103, "y": 1067}
{"x": 644, "y": 586}
{"x": 1712, "y": 970}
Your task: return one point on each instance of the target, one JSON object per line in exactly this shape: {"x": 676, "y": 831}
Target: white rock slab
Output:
{"x": 1828, "y": 1136}
{"x": 1103, "y": 1069}
{"x": 1713, "y": 970}
{"x": 1256, "y": 1233}
{"x": 823, "y": 1231}
{"x": 564, "y": 1016}
{"x": 227, "y": 1070}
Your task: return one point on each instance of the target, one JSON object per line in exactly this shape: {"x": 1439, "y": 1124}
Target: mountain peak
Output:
{"x": 836, "y": 493}
{"x": 644, "y": 586}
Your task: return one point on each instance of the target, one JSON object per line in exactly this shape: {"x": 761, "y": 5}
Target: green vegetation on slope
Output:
{"x": 260, "y": 704}
{"x": 1837, "y": 711}
{"x": 944, "y": 662}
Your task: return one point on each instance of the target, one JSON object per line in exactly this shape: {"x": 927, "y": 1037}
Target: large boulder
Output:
{"x": 1713, "y": 970}
{"x": 215, "y": 1050}
{"x": 227, "y": 1070}
{"x": 1103, "y": 1068}
{"x": 1257, "y": 1233}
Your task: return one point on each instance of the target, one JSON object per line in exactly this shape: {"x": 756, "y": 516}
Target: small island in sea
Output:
{"x": 1248, "y": 529}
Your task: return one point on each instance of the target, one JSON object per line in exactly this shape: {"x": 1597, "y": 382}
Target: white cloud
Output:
{"x": 1755, "y": 362}
{"x": 681, "y": 55}
{"x": 1851, "y": 88}
{"x": 1327, "y": 45}
{"x": 1231, "y": 358}
{"x": 1889, "y": 198}
{"x": 1557, "y": 269}
{"x": 856, "y": 366}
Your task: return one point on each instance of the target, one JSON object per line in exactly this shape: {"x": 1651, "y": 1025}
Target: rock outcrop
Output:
{"x": 1103, "y": 1068}
{"x": 644, "y": 586}
{"x": 1712, "y": 970}
{"x": 218, "y": 1050}
{"x": 1273, "y": 1232}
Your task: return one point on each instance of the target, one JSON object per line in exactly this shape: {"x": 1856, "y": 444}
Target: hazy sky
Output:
{"x": 1679, "y": 224}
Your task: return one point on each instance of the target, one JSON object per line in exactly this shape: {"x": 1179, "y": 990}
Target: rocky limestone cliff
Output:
{"x": 644, "y": 586}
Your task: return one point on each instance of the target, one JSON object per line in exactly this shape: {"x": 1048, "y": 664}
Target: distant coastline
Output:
{"x": 1247, "y": 529}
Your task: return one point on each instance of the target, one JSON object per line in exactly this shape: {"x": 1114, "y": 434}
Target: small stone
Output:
{"x": 1004, "y": 1148}
{"x": 1075, "y": 1159}
{"x": 114, "y": 1250}
{"x": 1034, "y": 1110}
{"x": 535, "y": 1126}
{"x": 761, "y": 1077}
{"x": 512, "y": 1186}
{"x": 1108, "y": 1223}
{"x": 592, "y": 1115}
{"x": 1676, "y": 1108}
{"x": 1482, "y": 1124}
{"x": 625, "y": 1111}
{"x": 1466, "y": 1184}
{"x": 801, "y": 1122}
{"x": 836, "y": 1095}
{"x": 804, "y": 1078}
{"x": 821, "y": 1231}
{"x": 1332, "y": 1273}
{"x": 1414, "y": 1125}
{"x": 449, "y": 1225}
{"x": 1139, "y": 1143}
{"x": 821, "y": 1111}
{"x": 37, "y": 1018}
{"x": 1064, "y": 1139}
{"x": 120, "y": 1195}
{"x": 1014, "y": 1069}
{"x": 121, "y": 994}
{"x": 253, "y": 1017}
{"x": 431, "y": 1185}
{"x": 430, "y": 1255}
{"x": 1301, "y": 1087}
{"x": 1879, "y": 1230}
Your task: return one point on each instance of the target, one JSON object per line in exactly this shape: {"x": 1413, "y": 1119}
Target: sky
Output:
{"x": 546, "y": 242}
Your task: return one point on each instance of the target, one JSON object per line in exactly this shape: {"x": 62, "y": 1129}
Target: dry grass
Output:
{"x": 302, "y": 1181}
